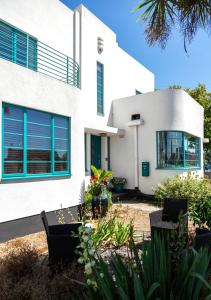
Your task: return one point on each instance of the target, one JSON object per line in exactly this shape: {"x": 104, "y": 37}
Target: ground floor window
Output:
{"x": 35, "y": 143}
{"x": 176, "y": 149}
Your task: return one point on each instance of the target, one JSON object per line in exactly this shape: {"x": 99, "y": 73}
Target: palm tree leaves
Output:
{"x": 161, "y": 15}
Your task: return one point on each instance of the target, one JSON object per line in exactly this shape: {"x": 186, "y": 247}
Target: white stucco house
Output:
{"x": 71, "y": 97}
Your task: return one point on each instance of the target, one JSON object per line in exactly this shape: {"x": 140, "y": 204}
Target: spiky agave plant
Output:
{"x": 151, "y": 275}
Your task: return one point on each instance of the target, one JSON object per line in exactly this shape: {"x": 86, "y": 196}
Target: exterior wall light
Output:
{"x": 100, "y": 45}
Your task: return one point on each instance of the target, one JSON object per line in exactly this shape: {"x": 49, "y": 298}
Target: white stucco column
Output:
{"x": 104, "y": 152}
{"x": 88, "y": 152}
{"x": 135, "y": 124}
{"x": 136, "y": 164}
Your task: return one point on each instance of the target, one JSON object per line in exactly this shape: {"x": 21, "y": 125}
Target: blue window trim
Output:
{"x": 24, "y": 175}
{"x": 100, "y": 90}
{"x": 184, "y": 167}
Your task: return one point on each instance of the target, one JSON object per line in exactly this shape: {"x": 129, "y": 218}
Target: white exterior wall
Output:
{"x": 161, "y": 110}
{"x": 26, "y": 197}
{"x": 47, "y": 20}
{"x": 122, "y": 74}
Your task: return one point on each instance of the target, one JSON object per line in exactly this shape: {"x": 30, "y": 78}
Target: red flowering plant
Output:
{"x": 98, "y": 185}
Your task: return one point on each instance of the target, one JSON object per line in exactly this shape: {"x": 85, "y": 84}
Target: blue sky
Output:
{"x": 171, "y": 65}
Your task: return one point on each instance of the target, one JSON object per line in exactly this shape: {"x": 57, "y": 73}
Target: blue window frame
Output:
{"x": 35, "y": 143}
{"x": 177, "y": 149}
{"x": 100, "y": 88}
{"x": 17, "y": 46}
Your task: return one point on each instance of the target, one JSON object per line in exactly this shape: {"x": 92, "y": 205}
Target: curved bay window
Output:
{"x": 177, "y": 149}
{"x": 35, "y": 143}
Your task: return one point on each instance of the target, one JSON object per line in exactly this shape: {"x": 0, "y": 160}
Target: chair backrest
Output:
{"x": 45, "y": 222}
{"x": 173, "y": 208}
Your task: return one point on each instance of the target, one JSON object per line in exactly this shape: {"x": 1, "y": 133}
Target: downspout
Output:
{"x": 135, "y": 124}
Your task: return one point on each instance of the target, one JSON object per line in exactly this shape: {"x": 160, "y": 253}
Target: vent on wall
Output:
{"x": 100, "y": 45}
{"x": 135, "y": 117}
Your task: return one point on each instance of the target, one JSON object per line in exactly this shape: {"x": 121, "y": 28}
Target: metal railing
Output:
{"x": 26, "y": 51}
{"x": 57, "y": 65}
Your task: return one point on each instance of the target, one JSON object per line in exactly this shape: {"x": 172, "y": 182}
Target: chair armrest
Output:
{"x": 155, "y": 217}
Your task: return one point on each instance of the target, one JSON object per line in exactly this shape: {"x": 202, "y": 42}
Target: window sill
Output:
{"x": 35, "y": 176}
{"x": 178, "y": 168}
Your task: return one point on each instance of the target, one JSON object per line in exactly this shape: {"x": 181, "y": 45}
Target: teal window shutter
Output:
{"x": 100, "y": 88}
{"x": 17, "y": 46}
{"x": 35, "y": 143}
{"x": 177, "y": 149}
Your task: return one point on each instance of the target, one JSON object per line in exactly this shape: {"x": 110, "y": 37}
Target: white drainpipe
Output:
{"x": 136, "y": 124}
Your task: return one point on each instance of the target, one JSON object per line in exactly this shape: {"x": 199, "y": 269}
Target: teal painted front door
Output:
{"x": 96, "y": 151}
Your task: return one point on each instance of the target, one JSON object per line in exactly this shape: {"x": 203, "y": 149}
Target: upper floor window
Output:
{"x": 177, "y": 149}
{"x": 35, "y": 143}
{"x": 18, "y": 47}
{"x": 100, "y": 88}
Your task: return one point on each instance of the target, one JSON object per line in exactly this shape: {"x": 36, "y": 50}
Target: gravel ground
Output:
{"x": 139, "y": 212}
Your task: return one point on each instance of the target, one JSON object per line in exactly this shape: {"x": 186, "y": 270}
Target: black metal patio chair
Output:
{"x": 173, "y": 216}
{"x": 61, "y": 241}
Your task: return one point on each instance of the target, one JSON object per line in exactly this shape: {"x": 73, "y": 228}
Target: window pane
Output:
{"x": 13, "y": 168}
{"x": 61, "y": 167}
{"x": 20, "y": 42}
{"x": 13, "y": 154}
{"x": 6, "y": 42}
{"x": 61, "y": 121}
{"x": 61, "y": 155}
{"x": 35, "y": 140}
{"x": 32, "y": 54}
{"x": 39, "y": 143}
{"x": 177, "y": 149}
{"x": 61, "y": 145}
{"x": 11, "y": 140}
{"x": 38, "y": 168}
{"x": 39, "y": 155}
{"x": 39, "y": 130}
{"x": 100, "y": 89}
{"x": 60, "y": 133}
{"x": 38, "y": 117}
{"x": 13, "y": 126}
{"x": 13, "y": 112}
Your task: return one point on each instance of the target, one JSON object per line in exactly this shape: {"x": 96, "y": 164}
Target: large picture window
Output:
{"x": 18, "y": 47}
{"x": 35, "y": 143}
{"x": 177, "y": 149}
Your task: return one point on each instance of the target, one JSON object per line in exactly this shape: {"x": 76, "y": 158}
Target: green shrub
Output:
{"x": 191, "y": 187}
{"x": 200, "y": 212}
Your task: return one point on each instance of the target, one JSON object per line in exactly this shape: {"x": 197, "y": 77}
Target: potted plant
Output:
{"x": 118, "y": 184}
{"x": 97, "y": 197}
{"x": 200, "y": 214}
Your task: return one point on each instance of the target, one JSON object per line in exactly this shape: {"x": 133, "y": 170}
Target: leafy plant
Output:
{"x": 118, "y": 180}
{"x": 112, "y": 232}
{"x": 191, "y": 187}
{"x": 200, "y": 212}
{"x": 149, "y": 275}
{"x": 98, "y": 187}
